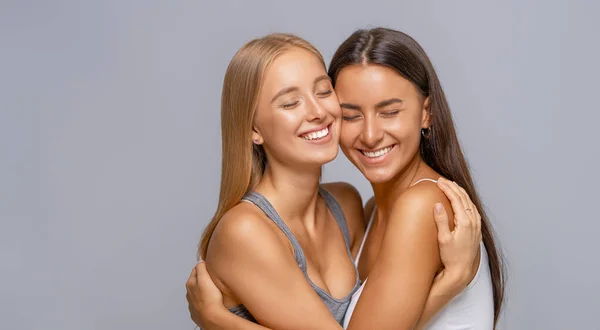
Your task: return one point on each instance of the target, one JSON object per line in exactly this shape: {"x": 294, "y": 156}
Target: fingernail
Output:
{"x": 438, "y": 208}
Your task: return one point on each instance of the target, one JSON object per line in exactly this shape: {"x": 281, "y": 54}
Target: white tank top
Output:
{"x": 473, "y": 308}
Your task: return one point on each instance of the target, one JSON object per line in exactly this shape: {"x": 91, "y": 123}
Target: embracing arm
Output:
{"x": 248, "y": 257}
{"x": 205, "y": 303}
{"x": 458, "y": 250}
{"x": 400, "y": 281}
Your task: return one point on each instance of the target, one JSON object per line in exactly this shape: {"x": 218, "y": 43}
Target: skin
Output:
{"x": 382, "y": 110}
{"x": 290, "y": 184}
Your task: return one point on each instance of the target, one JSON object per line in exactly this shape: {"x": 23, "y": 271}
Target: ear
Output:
{"x": 257, "y": 137}
{"x": 426, "y": 114}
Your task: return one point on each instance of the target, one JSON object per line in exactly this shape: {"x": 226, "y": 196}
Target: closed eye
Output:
{"x": 350, "y": 118}
{"x": 291, "y": 105}
{"x": 390, "y": 113}
{"x": 326, "y": 93}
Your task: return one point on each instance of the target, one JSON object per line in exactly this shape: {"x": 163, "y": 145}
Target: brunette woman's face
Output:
{"x": 298, "y": 117}
{"x": 383, "y": 114}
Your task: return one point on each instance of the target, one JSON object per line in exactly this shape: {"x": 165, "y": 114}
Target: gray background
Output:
{"x": 110, "y": 145}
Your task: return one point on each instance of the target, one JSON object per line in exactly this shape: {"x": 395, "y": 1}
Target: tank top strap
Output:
{"x": 362, "y": 244}
{"x": 336, "y": 211}
{"x": 424, "y": 179}
{"x": 262, "y": 203}
{"x": 336, "y": 306}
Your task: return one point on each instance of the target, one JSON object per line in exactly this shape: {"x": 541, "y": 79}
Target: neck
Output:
{"x": 386, "y": 193}
{"x": 292, "y": 191}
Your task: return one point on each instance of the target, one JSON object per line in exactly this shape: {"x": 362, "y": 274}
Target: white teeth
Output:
{"x": 316, "y": 135}
{"x": 378, "y": 153}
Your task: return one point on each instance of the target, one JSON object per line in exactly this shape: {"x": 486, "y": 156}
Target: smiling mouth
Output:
{"x": 377, "y": 153}
{"x": 318, "y": 135}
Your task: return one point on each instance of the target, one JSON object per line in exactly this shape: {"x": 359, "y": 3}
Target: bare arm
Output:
{"x": 401, "y": 278}
{"x": 205, "y": 303}
{"x": 458, "y": 250}
{"x": 249, "y": 258}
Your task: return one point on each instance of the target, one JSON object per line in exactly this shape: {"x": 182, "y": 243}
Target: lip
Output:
{"x": 323, "y": 140}
{"x": 376, "y": 160}
{"x": 316, "y": 129}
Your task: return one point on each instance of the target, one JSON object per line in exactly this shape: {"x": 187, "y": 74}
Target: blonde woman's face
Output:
{"x": 298, "y": 116}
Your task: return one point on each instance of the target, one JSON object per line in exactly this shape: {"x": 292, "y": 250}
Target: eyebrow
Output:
{"x": 379, "y": 105}
{"x": 350, "y": 106}
{"x": 295, "y": 89}
{"x": 283, "y": 92}
{"x": 323, "y": 77}
{"x": 385, "y": 103}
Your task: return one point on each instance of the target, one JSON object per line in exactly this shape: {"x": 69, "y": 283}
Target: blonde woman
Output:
{"x": 281, "y": 246}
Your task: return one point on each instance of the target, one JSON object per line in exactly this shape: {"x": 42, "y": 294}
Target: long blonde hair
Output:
{"x": 243, "y": 163}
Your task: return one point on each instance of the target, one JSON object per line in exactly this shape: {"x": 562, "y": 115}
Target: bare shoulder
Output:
{"x": 416, "y": 204}
{"x": 343, "y": 191}
{"x": 349, "y": 199}
{"x": 243, "y": 221}
{"x": 412, "y": 224}
{"x": 244, "y": 232}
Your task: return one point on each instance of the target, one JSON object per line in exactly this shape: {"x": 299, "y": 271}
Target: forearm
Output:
{"x": 229, "y": 321}
{"x": 442, "y": 292}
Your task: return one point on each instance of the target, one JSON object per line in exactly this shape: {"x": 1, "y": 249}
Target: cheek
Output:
{"x": 404, "y": 129}
{"x": 282, "y": 125}
{"x": 349, "y": 134}
{"x": 333, "y": 107}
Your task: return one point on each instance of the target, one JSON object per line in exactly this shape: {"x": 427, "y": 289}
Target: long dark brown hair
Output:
{"x": 441, "y": 149}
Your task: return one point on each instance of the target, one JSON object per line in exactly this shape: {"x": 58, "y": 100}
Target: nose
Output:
{"x": 315, "y": 111}
{"x": 371, "y": 134}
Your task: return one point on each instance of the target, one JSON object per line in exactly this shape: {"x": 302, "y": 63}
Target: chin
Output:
{"x": 375, "y": 176}
{"x": 324, "y": 156}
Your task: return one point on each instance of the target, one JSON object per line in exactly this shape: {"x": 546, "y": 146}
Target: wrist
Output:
{"x": 215, "y": 318}
{"x": 453, "y": 282}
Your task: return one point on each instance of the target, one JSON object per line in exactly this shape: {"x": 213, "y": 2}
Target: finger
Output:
{"x": 193, "y": 315}
{"x": 469, "y": 202}
{"x": 470, "y": 206}
{"x": 466, "y": 213}
{"x": 441, "y": 220}
{"x": 205, "y": 280}
{"x": 192, "y": 279}
{"x": 444, "y": 185}
{"x": 455, "y": 200}
{"x": 200, "y": 270}
{"x": 190, "y": 283}
{"x": 463, "y": 196}
{"x": 476, "y": 218}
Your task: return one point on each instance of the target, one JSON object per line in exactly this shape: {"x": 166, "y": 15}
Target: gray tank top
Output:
{"x": 337, "y": 307}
